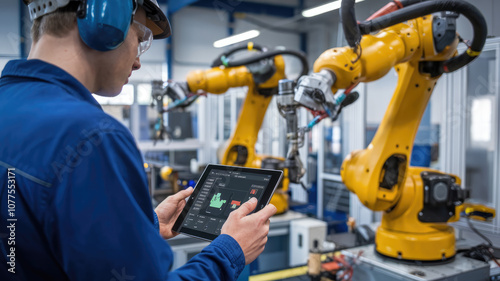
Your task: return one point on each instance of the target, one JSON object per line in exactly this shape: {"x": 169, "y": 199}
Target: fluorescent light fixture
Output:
{"x": 236, "y": 38}
{"x": 323, "y": 9}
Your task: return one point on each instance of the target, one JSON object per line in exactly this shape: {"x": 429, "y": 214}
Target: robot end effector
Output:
{"x": 313, "y": 92}
{"x": 287, "y": 108}
{"x": 181, "y": 98}
{"x": 178, "y": 92}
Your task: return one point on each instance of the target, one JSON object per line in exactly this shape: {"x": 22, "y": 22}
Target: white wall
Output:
{"x": 490, "y": 10}
{"x": 9, "y": 31}
{"x": 195, "y": 29}
{"x": 272, "y": 39}
{"x": 9, "y": 28}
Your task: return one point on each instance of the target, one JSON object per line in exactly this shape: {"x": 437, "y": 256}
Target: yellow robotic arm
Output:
{"x": 417, "y": 202}
{"x": 261, "y": 73}
{"x": 241, "y": 148}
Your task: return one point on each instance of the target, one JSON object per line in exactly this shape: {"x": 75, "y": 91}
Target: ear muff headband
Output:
{"x": 99, "y": 19}
{"x": 104, "y": 24}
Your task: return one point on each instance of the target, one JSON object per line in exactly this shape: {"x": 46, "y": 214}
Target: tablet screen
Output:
{"x": 221, "y": 190}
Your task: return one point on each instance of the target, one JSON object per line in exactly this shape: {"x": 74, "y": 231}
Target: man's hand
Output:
{"x": 249, "y": 231}
{"x": 169, "y": 210}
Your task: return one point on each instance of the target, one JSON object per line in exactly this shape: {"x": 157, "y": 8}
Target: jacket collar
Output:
{"x": 40, "y": 70}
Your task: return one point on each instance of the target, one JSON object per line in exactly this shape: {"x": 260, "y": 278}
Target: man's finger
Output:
{"x": 180, "y": 208}
{"x": 247, "y": 207}
{"x": 267, "y": 212}
{"x": 183, "y": 194}
{"x": 181, "y": 204}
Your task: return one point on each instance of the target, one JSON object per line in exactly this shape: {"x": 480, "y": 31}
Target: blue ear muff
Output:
{"x": 103, "y": 24}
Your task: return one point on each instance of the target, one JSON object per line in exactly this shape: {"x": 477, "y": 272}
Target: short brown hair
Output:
{"x": 58, "y": 23}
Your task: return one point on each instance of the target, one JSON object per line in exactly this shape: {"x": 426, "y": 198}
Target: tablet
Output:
{"x": 221, "y": 190}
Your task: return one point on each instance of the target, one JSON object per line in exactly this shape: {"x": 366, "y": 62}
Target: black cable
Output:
{"x": 416, "y": 9}
{"x": 407, "y": 3}
{"x": 270, "y": 54}
{"x": 428, "y": 7}
{"x": 350, "y": 26}
{"x": 480, "y": 252}
{"x": 305, "y": 187}
{"x": 477, "y": 232}
{"x": 218, "y": 60}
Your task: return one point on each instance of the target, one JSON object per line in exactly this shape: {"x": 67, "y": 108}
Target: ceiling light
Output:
{"x": 323, "y": 9}
{"x": 236, "y": 38}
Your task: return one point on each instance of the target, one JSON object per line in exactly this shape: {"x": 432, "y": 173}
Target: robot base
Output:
{"x": 371, "y": 266}
{"x": 434, "y": 247}
{"x": 416, "y": 262}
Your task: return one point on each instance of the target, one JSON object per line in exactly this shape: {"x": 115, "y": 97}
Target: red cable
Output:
{"x": 389, "y": 8}
{"x": 349, "y": 89}
{"x": 400, "y": 5}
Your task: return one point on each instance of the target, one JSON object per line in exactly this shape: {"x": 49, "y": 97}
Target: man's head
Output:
{"x": 56, "y": 17}
{"x": 114, "y": 39}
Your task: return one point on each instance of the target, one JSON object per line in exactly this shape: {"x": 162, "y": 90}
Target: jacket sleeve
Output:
{"x": 100, "y": 224}
{"x": 223, "y": 259}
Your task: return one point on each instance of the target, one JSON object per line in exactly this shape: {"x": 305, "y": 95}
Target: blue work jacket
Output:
{"x": 74, "y": 199}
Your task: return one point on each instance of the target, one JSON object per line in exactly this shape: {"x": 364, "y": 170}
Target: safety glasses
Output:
{"x": 145, "y": 36}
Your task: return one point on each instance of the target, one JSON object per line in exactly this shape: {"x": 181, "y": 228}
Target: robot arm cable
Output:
{"x": 219, "y": 60}
{"x": 415, "y": 9}
{"x": 266, "y": 55}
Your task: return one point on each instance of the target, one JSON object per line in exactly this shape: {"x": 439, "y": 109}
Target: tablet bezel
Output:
{"x": 276, "y": 176}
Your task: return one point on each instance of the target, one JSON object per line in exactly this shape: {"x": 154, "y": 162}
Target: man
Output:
{"x": 73, "y": 191}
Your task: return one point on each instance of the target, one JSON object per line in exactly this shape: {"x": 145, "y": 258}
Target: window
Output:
{"x": 480, "y": 143}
